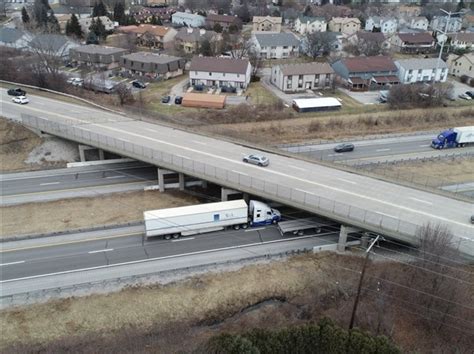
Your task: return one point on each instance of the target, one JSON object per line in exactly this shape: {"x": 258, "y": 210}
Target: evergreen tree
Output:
{"x": 119, "y": 13}
{"x": 99, "y": 9}
{"x": 460, "y": 6}
{"x": 40, "y": 13}
{"x": 53, "y": 24}
{"x": 73, "y": 28}
{"x": 205, "y": 48}
{"x": 98, "y": 28}
{"x": 217, "y": 28}
{"x": 25, "y": 18}
{"x": 155, "y": 20}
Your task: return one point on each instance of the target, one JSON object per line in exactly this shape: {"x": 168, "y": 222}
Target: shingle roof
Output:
{"x": 377, "y": 37}
{"x": 416, "y": 38}
{"x": 10, "y": 35}
{"x": 221, "y": 65}
{"x": 311, "y": 19}
{"x": 194, "y": 34}
{"x": 306, "y": 68}
{"x": 99, "y": 49}
{"x": 276, "y": 39}
{"x": 463, "y": 36}
{"x": 369, "y": 64}
{"x": 423, "y": 63}
{"x": 188, "y": 15}
{"x": 147, "y": 57}
{"x": 49, "y": 42}
{"x": 257, "y": 19}
{"x": 345, "y": 19}
{"x": 155, "y": 30}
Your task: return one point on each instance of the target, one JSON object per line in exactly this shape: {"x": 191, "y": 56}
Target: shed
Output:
{"x": 203, "y": 100}
{"x": 316, "y": 104}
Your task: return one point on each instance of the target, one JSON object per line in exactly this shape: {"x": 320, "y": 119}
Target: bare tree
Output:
{"x": 124, "y": 94}
{"x": 240, "y": 46}
{"x": 319, "y": 43}
{"x": 366, "y": 47}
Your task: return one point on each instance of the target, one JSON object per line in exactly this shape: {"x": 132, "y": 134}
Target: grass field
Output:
{"x": 258, "y": 94}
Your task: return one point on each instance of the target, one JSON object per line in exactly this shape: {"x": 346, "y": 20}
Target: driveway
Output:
{"x": 459, "y": 87}
{"x": 368, "y": 97}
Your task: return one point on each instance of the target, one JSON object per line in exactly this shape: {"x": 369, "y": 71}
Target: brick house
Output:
{"x": 154, "y": 66}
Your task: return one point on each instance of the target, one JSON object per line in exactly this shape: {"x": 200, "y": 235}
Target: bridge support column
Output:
{"x": 161, "y": 178}
{"x": 101, "y": 154}
{"x": 181, "y": 181}
{"x": 84, "y": 148}
{"x": 343, "y": 233}
{"x": 225, "y": 192}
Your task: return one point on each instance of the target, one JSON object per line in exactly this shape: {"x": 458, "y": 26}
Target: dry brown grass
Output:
{"x": 86, "y": 212}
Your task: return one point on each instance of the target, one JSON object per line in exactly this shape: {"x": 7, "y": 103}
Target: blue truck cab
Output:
{"x": 261, "y": 214}
{"x": 445, "y": 139}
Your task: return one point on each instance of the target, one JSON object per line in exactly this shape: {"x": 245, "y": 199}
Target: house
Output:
{"x": 419, "y": 23}
{"x": 276, "y": 45}
{"x": 220, "y": 72}
{"x": 189, "y": 39}
{"x": 52, "y": 45}
{"x": 419, "y": 70}
{"x": 381, "y": 24}
{"x": 369, "y": 38}
{"x": 419, "y": 42}
{"x": 335, "y": 39}
{"x": 224, "y": 21}
{"x": 302, "y": 77}
{"x": 460, "y": 65}
{"x": 152, "y": 36}
{"x": 188, "y": 20}
{"x": 97, "y": 56}
{"x": 345, "y": 25}
{"x": 462, "y": 40}
{"x": 14, "y": 38}
{"x": 363, "y": 73}
{"x": 152, "y": 65}
{"x": 86, "y": 23}
{"x": 439, "y": 23}
{"x": 266, "y": 24}
{"x": 305, "y": 24}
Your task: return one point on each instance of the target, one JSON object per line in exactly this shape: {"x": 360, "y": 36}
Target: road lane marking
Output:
{"x": 390, "y": 216}
{"x": 424, "y": 146}
{"x": 11, "y": 263}
{"x": 198, "y": 142}
{"x": 239, "y": 173}
{"x": 421, "y": 201}
{"x": 99, "y": 251}
{"x": 297, "y": 168}
{"x": 151, "y": 130}
{"x": 48, "y": 183}
{"x": 380, "y": 150}
{"x": 183, "y": 239}
{"x": 346, "y": 180}
{"x": 337, "y": 189}
{"x": 115, "y": 177}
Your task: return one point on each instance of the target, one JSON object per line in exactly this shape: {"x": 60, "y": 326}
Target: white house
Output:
{"x": 439, "y": 23}
{"x": 384, "y": 24}
{"x": 460, "y": 65}
{"x": 188, "y": 19}
{"x": 418, "y": 70}
{"x": 344, "y": 25}
{"x": 276, "y": 45}
{"x": 419, "y": 23}
{"x": 304, "y": 24}
{"x": 86, "y": 23}
{"x": 220, "y": 72}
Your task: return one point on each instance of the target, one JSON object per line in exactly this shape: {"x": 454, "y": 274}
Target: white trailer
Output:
{"x": 299, "y": 226}
{"x": 196, "y": 219}
{"x": 464, "y": 135}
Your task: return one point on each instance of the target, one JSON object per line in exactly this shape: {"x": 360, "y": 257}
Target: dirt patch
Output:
{"x": 86, "y": 212}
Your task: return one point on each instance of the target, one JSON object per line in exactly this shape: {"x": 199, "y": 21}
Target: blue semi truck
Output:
{"x": 455, "y": 137}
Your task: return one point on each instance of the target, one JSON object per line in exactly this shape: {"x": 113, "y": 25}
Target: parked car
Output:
{"x": 344, "y": 147}
{"x": 138, "y": 84}
{"x": 165, "y": 99}
{"x": 16, "y": 92}
{"x": 258, "y": 160}
{"x": 75, "y": 81}
{"x": 465, "y": 96}
{"x": 470, "y": 94}
{"x": 178, "y": 100}
{"x": 20, "y": 100}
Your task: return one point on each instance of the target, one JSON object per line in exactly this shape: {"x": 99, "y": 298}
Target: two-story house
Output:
{"x": 266, "y": 24}
{"x": 305, "y": 24}
{"x": 187, "y": 19}
{"x": 419, "y": 23}
{"x": 189, "y": 39}
{"x": 152, "y": 65}
{"x": 385, "y": 25}
{"x": 364, "y": 73}
{"x": 152, "y": 36}
{"x": 344, "y": 25}
{"x": 220, "y": 72}
{"x": 276, "y": 45}
{"x": 461, "y": 65}
{"x": 225, "y": 21}
{"x": 462, "y": 40}
{"x": 302, "y": 77}
{"x": 85, "y": 23}
{"x": 97, "y": 56}
{"x": 421, "y": 42}
{"x": 441, "y": 24}
{"x": 411, "y": 71}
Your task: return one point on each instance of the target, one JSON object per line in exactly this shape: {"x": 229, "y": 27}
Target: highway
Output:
{"x": 360, "y": 200}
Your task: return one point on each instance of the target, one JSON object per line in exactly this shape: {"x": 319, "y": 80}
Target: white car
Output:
{"x": 465, "y": 96}
{"x": 20, "y": 100}
{"x": 258, "y": 160}
{"x": 75, "y": 81}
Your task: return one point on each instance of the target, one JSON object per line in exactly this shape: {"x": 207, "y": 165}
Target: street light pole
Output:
{"x": 445, "y": 33}
{"x": 359, "y": 288}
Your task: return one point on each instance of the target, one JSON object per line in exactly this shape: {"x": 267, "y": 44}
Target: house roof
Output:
{"x": 468, "y": 56}
{"x": 49, "y": 42}
{"x": 222, "y": 18}
{"x": 147, "y": 57}
{"x": 276, "y": 39}
{"x": 343, "y": 20}
{"x": 369, "y": 64}
{"x": 310, "y": 19}
{"x": 385, "y": 79}
{"x": 462, "y": 36}
{"x": 194, "y": 34}
{"x": 422, "y": 63}
{"x": 10, "y": 35}
{"x": 257, "y": 19}
{"x": 221, "y": 65}
{"x": 377, "y": 37}
{"x": 155, "y": 30}
{"x": 99, "y": 49}
{"x": 188, "y": 15}
{"x": 416, "y": 38}
{"x": 306, "y": 68}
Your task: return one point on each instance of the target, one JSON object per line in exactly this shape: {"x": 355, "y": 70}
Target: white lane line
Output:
{"x": 85, "y": 129}
{"x": 346, "y": 180}
{"x": 48, "y": 183}
{"x": 127, "y": 141}
{"x": 183, "y": 239}
{"x": 300, "y": 190}
{"x": 11, "y": 263}
{"x": 99, "y": 251}
{"x": 380, "y": 150}
{"x": 115, "y": 177}
{"x": 151, "y": 130}
{"x": 330, "y": 155}
{"x": 198, "y": 142}
{"x": 256, "y": 229}
{"x": 390, "y": 216}
{"x": 183, "y": 157}
{"x": 424, "y": 146}
{"x": 240, "y": 173}
{"x": 421, "y": 201}
{"x": 297, "y": 168}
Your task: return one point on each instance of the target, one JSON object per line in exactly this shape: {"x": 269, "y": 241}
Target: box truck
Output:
{"x": 455, "y": 137}
{"x": 196, "y": 219}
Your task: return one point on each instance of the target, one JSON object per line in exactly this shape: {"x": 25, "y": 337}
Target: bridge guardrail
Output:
{"x": 357, "y": 216}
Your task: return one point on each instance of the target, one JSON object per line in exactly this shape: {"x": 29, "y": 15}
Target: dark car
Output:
{"x": 138, "y": 84}
{"x": 344, "y": 147}
{"x": 178, "y": 100}
{"x": 16, "y": 92}
{"x": 470, "y": 94}
{"x": 165, "y": 99}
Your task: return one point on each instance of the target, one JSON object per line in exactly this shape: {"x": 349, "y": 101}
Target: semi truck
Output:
{"x": 455, "y": 137}
{"x": 196, "y": 219}
{"x": 299, "y": 226}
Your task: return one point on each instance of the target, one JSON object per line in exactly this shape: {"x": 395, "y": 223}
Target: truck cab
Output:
{"x": 445, "y": 139}
{"x": 261, "y": 214}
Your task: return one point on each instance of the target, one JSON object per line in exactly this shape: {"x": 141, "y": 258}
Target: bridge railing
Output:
{"x": 358, "y": 216}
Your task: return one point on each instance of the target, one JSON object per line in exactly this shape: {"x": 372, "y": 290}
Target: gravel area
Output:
{"x": 54, "y": 149}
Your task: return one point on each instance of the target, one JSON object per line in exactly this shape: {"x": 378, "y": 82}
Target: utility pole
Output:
{"x": 445, "y": 33}
{"x": 359, "y": 288}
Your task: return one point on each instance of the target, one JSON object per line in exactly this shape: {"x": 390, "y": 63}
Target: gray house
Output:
{"x": 52, "y": 45}
{"x": 14, "y": 38}
{"x": 302, "y": 77}
{"x": 154, "y": 66}
{"x": 276, "y": 45}
{"x": 97, "y": 55}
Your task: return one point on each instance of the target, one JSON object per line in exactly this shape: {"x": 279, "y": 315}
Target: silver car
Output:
{"x": 258, "y": 160}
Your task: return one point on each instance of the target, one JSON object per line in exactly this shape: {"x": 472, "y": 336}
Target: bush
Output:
{"x": 464, "y": 79}
{"x": 471, "y": 82}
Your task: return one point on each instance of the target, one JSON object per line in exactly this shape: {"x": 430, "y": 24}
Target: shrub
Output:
{"x": 464, "y": 79}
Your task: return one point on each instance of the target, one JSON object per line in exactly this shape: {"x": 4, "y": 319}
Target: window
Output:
{"x": 195, "y": 73}
{"x": 210, "y": 74}
{"x": 216, "y": 217}
{"x": 223, "y": 74}
{"x": 238, "y": 75}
